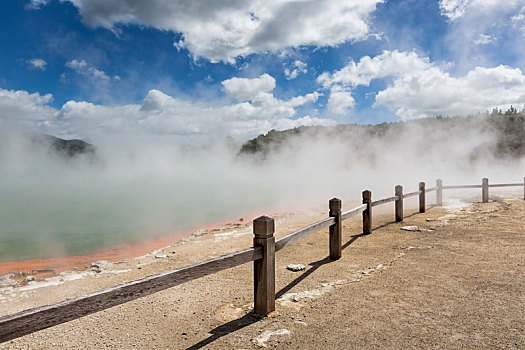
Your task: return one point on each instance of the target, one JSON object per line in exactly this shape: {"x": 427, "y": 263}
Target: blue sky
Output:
{"x": 204, "y": 68}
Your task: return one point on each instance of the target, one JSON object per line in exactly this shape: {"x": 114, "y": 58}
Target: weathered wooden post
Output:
{"x": 367, "y": 213}
{"x": 335, "y": 230}
{"x": 439, "y": 192}
{"x": 399, "y": 203}
{"x": 422, "y": 198}
{"x": 264, "y": 269}
{"x": 485, "y": 190}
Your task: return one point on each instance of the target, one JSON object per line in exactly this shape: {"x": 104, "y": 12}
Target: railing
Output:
{"x": 262, "y": 254}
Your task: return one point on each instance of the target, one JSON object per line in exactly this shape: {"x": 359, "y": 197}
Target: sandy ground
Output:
{"x": 457, "y": 282}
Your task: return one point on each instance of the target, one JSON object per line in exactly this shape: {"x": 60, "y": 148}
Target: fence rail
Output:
{"x": 32, "y": 320}
{"x": 458, "y": 187}
{"x": 353, "y": 212}
{"x": 262, "y": 254}
{"x": 506, "y": 185}
{"x": 301, "y": 233}
{"x": 384, "y": 201}
{"x": 412, "y": 194}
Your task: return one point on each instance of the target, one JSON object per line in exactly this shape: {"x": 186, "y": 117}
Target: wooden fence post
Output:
{"x": 399, "y": 203}
{"x": 422, "y": 198}
{"x": 367, "y": 213}
{"x": 335, "y": 230}
{"x": 439, "y": 192}
{"x": 485, "y": 190}
{"x": 264, "y": 269}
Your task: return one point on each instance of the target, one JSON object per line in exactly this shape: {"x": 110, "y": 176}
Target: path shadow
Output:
{"x": 227, "y": 328}
{"x": 314, "y": 266}
{"x": 383, "y": 225}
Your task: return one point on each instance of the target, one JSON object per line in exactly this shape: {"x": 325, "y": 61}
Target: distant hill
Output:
{"x": 66, "y": 148}
{"x": 504, "y": 134}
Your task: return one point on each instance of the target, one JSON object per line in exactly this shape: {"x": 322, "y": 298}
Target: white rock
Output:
{"x": 448, "y": 217}
{"x": 98, "y": 266}
{"x": 261, "y": 340}
{"x": 411, "y": 228}
{"x": 161, "y": 256}
{"x": 6, "y": 280}
{"x": 296, "y": 267}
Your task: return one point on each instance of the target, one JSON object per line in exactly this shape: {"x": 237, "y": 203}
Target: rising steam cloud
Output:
{"x": 136, "y": 187}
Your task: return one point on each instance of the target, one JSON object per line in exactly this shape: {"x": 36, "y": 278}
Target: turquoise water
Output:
{"x": 59, "y": 218}
{"x": 43, "y": 225}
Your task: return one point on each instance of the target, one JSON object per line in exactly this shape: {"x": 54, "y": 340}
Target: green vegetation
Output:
{"x": 503, "y": 134}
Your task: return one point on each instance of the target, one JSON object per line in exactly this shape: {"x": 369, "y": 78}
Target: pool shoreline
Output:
{"x": 113, "y": 254}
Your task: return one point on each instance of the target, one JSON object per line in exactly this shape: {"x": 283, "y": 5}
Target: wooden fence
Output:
{"x": 262, "y": 254}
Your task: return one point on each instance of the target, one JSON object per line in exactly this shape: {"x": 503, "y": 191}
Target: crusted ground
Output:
{"x": 455, "y": 281}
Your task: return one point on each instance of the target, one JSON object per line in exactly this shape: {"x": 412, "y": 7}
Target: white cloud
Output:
{"x": 164, "y": 114}
{"x": 456, "y": 9}
{"x": 483, "y": 22}
{"x": 518, "y": 21}
{"x": 453, "y": 9}
{"x": 389, "y": 63}
{"x": 434, "y": 92}
{"x": 36, "y": 4}
{"x": 83, "y": 68}
{"x": 297, "y": 68}
{"x": 301, "y": 100}
{"x": 484, "y": 39}
{"x": 340, "y": 101}
{"x": 37, "y": 63}
{"x": 258, "y": 92}
{"x": 224, "y": 30}
{"x": 386, "y": 64}
{"x": 420, "y": 88}
{"x": 244, "y": 89}
{"x": 161, "y": 114}
{"x": 23, "y": 106}
{"x": 518, "y": 18}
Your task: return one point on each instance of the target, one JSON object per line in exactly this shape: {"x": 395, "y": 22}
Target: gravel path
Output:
{"x": 456, "y": 282}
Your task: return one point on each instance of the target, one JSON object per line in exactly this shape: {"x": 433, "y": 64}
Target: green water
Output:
{"x": 42, "y": 225}
{"x": 39, "y": 221}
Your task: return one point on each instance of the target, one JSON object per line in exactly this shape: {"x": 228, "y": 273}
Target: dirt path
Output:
{"x": 457, "y": 283}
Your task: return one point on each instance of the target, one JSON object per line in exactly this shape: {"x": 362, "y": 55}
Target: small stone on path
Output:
{"x": 411, "y": 228}
{"x": 296, "y": 267}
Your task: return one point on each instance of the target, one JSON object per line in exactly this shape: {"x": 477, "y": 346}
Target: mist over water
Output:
{"x": 138, "y": 187}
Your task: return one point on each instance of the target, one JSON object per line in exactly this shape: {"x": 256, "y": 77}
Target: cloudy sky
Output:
{"x": 206, "y": 68}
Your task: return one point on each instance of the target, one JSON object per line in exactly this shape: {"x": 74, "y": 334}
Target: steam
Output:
{"x": 143, "y": 186}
